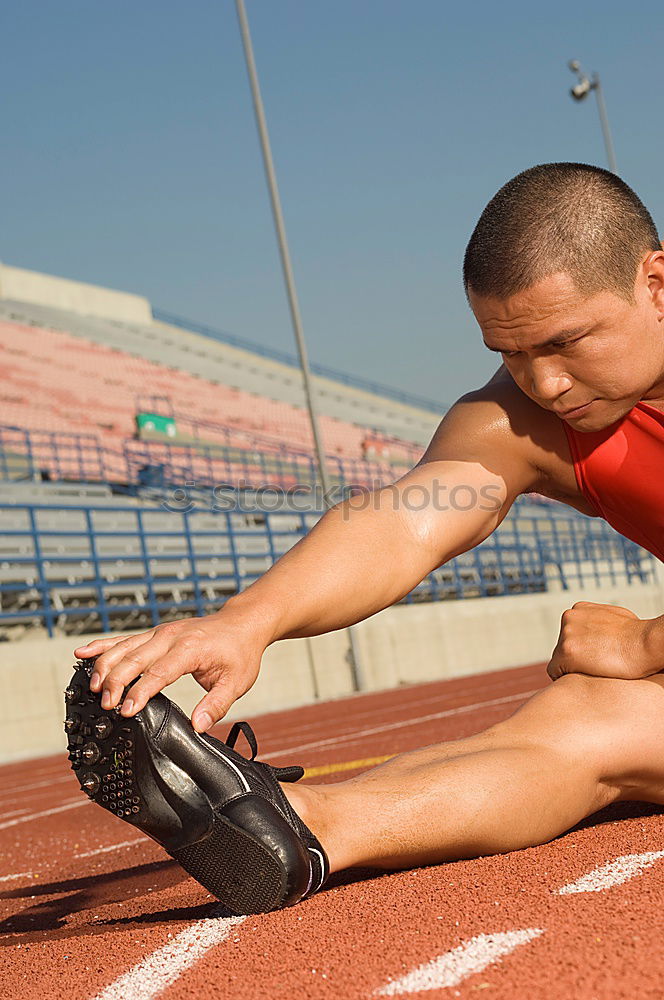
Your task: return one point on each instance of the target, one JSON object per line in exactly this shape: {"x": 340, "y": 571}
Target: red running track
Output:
{"x": 90, "y": 909}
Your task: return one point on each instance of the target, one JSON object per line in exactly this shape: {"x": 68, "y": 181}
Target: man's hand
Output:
{"x": 222, "y": 652}
{"x": 606, "y": 641}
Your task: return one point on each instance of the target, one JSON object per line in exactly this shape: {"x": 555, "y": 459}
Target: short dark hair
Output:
{"x": 570, "y": 217}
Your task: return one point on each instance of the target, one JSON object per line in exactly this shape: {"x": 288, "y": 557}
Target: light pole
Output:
{"x": 353, "y": 654}
{"x": 579, "y": 92}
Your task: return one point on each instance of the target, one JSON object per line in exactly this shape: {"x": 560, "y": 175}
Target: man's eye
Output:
{"x": 566, "y": 344}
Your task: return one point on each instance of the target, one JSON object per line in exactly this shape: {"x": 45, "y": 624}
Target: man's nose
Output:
{"x": 548, "y": 381}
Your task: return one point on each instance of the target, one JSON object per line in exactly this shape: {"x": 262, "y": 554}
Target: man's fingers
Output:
{"x": 129, "y": 665}
{"x": 212, "y": 707}
{"x": 554, "y": 669}
{"x": 98, "y": 646}
{"x": 614, "y": 609}
{"x": 108, "y": 661}
{"x": 154, "y": 679}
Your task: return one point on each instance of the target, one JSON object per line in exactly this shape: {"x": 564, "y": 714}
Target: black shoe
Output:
{"x": 222, "y": 817}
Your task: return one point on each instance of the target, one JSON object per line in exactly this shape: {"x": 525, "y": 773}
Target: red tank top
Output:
{"x": 620, "y": 471}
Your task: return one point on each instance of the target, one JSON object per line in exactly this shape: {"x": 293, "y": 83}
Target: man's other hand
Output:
{"x": 606, "y": 641}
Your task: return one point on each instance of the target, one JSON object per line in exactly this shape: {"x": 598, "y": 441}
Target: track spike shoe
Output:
{"x": 223, "y": 817}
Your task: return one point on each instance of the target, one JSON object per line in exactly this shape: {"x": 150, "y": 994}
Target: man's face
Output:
{"x": 587, "y": 359}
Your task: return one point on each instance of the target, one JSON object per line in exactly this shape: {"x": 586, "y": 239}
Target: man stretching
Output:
{"x": 565, "y": 275}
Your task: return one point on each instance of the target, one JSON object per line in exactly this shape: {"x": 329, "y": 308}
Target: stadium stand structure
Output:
{"x": 108, "y": 522}
{"x": 235, "y": 371}
{"x": 55, "y": 382}
{"x": 79, "y": 559}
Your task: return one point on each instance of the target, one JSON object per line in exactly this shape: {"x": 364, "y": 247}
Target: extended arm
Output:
{"x": 364, "y": 555}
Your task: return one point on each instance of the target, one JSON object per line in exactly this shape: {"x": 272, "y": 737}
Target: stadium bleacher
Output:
{"x": 108, "y": 522}
{"x": 52, "y": 379}
{"x": 79, "y": 559}
{"x": 226, "y": 374}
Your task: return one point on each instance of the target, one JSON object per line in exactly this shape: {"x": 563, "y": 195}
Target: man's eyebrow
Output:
{"x": 558, "y": 338}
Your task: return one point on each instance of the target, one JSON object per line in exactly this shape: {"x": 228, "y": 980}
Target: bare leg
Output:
{"x": 570, "y": 750}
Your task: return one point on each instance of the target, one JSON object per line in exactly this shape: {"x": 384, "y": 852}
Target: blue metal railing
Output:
{"x": 213, "y": 465}
{"x": 210, "y": 465}
{"x": 400, "y": 449}
{"x": 400, "y": 395}
{"x": 87, "y": 568}
{"x": 60, "y": 455}
{"x": 64, "y": 457}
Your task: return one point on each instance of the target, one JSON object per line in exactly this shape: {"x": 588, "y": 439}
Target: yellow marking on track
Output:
{"x": 347, "y": 765}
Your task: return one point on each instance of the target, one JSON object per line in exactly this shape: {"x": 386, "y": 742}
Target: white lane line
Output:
{"x": 8, "y": 878}
{"x": 111, "y": 847}
{"x": 454, "y": 966}
{"x": 44, "y": 812}
{"x": 616, "y": 872}
{"x": 54, "y": 772}
{"x": 404, "y": 706}
{"x": 14, "y": 794}
{"x": 160, "y": 969}
{"x": 361, "y": 733}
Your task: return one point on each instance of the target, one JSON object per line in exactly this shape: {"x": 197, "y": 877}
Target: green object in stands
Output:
{"x": 155, "y": 422}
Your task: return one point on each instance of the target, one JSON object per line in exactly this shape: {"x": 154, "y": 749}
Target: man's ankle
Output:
{"x": 311, "y": 803}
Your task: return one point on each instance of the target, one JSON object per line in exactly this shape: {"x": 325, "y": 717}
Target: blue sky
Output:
{"x": 130, "y": 156}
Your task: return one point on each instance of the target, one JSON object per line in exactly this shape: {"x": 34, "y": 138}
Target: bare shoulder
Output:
{"x": 512, "y": 436}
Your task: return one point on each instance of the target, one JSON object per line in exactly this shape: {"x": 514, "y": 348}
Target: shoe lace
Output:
{"x": 291, "y": 773}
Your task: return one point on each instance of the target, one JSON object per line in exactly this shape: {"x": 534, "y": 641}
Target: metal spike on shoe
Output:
{"x": 90, "y": 783}
{"x": 72, "y": 694}
{"x": 91, "y": 753}
{"x": 103, "y": 728}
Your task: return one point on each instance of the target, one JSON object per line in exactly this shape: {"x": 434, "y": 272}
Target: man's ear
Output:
{"x": 653, "y": 270}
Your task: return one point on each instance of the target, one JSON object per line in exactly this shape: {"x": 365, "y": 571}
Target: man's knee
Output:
{"x": 580, "y": 713}
{"x": 619, "y": 724}
{"x": 584, "y": 714}
{"x": 612, "y": 700}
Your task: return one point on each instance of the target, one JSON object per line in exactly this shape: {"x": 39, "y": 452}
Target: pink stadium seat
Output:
{"x": 54, "y": 381}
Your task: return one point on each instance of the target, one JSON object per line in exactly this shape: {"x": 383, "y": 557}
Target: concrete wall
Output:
{"x": 401, "y": 645}
{"x": 61, "y": 293}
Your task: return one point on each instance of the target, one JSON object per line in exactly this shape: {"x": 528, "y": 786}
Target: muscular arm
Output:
{"x": 370, "y": 551}
{"x": 364, "y": 555}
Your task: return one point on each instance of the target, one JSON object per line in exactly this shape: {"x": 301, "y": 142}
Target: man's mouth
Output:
{"x": 576, "y": 411}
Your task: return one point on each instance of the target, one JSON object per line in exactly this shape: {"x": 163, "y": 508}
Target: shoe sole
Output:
{"x": 244, "y": 875}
